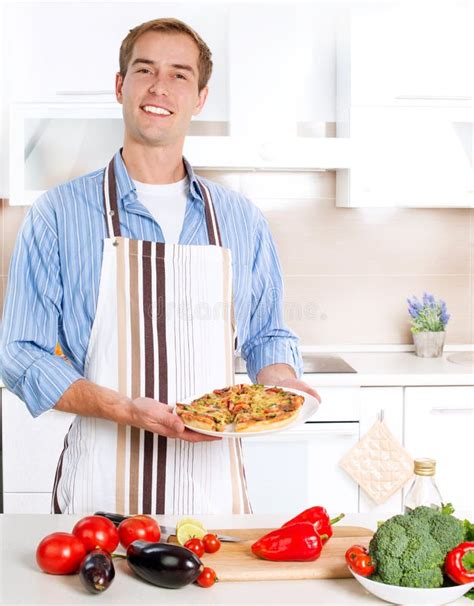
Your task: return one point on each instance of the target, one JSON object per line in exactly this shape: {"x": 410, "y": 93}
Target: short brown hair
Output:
{"x": 168, "y": 25}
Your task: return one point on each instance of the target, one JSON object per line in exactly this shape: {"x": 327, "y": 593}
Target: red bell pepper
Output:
{"x": 459, "y": 563}
{"x": 319, "y": 517}
{"x": 299, "y": 542}
{"x": 359, "y": 560}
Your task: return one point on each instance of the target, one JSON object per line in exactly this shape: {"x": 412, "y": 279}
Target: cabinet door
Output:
{"x": 424, "y": 54}
{"x": 409, "y": 157}
{"x": 31, "y": 447}
{"x": 438, "y": 425}
{"x": 299, "y": 468}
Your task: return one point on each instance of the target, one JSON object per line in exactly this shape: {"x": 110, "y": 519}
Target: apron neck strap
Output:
{"x": 211, "y": 219}
{"x": 112, "y": 212}
{"x": 110, "y": 201}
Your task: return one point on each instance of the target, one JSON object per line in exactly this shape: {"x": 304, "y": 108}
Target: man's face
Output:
{"x": 162, "y": 77}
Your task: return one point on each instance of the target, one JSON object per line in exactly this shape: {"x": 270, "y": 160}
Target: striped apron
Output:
{"x": 163, "y": 329}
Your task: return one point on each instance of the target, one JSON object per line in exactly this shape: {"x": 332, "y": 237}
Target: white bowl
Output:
{"x": 413, "y": 595}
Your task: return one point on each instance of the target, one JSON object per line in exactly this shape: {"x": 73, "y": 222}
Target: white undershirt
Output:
{"x": 167, "y": 203}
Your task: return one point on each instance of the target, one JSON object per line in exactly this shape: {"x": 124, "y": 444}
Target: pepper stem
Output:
{"x": 324, "y": 537}
{"x": 336, "y": 520}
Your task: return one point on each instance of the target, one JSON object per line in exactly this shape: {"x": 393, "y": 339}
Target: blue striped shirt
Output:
{"x": 53, "y": 281}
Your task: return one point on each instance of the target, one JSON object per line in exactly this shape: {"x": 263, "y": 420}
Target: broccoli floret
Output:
{"x": 409, "y": 550}
{"x": 425, "y": 578}
{"x": 447, "y": 530}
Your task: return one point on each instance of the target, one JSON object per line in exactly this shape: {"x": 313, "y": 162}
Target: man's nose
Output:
{"x": 158, "y": 86}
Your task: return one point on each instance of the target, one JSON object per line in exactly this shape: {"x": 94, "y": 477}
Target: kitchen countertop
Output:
{"x": 21, "y": 582}
{"x": 394, "y": 369}
{"x": 391, "y": 368}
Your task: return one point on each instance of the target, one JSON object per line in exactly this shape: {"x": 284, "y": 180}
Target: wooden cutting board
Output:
{"x": 236, "y": 562}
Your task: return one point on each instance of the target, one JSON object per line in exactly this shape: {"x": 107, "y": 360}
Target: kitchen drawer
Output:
{"x": 295, "y": 469}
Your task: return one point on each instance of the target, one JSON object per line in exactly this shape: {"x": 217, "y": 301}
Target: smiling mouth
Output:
{"x": 156, "y": 111}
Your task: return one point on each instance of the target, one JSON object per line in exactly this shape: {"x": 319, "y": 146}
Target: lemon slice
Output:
{"x": 189, "y": 521}
{"x": 189, "y": 531}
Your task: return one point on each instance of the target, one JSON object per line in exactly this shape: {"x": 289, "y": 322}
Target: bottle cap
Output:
{"x": 425, "y": 467}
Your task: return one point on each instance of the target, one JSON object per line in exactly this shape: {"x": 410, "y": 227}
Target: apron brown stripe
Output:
{"x": 163, "y": 371}
{"x": 122, "y": 373}
{"x": 135, "y": 313}
{"x": 149, "y": 375}
{"x": 113, "y": 199}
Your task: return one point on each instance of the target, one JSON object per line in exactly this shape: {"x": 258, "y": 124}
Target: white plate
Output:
{"x": 413, "y": 595}
{"x": 310, "y": 406}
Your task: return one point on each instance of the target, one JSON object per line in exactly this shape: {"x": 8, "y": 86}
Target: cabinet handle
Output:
{"x": 455, "y": 410}
{"x": 434, "y": 97}
{"x": 85, "y": 92}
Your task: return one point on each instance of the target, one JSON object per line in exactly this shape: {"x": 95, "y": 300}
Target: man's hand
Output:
{"x": 284, "y": 376}
{"x": 91, "y": 400}
{"x": 295, "y": 383}
{"x": 159, "y": 418}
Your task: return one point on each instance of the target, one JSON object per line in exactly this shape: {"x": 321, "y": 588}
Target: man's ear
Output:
{"x": 201, "y": 101}
{"x": 118, "y": 86}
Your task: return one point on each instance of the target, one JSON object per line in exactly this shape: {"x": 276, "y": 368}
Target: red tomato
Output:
{"x": 60, "y": 553}
{"x": 359, "y": 560}
{"x": 97, "y": 531}
{"x": 211, "y": 543}
{"x": 207, "y": 578}
{"x": 195, "y": 545}
{"x": 142, "y": 527}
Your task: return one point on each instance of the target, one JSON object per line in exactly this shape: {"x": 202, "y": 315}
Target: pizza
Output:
{"x": 248, "y": 407}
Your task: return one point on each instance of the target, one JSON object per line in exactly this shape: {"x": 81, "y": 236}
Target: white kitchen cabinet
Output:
{"x": 438, "y": 425}
{"x": 264, "y": 111}
{"x": 31, "y": 449}
{"x": 409, "y": 156}
{"x": 398, "y": 54}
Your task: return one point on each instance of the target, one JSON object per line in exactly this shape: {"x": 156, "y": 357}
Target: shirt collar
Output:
{"x": 125, "y": 185}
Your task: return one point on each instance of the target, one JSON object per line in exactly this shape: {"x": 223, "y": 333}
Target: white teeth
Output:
{"x": 157, "y": 110}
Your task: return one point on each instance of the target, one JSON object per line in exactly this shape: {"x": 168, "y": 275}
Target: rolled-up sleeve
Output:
{"x": 269, "y": 340}
{"x": 32, "y": 312}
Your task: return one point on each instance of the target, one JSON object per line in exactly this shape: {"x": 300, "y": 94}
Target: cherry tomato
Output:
{"x": 359, "y": 560}
{"x": 97, "y": 531}
{"x": 207, "y": 578}
{"x": 195, "y": 545}
{"x": 211, "y": 543}
{"x": 60, "y": 553}
{"x": 139, "y": 527}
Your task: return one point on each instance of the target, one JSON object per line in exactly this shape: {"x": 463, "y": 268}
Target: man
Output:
{"x": 138, "y": 271}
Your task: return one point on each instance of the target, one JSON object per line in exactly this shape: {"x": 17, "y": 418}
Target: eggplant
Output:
{"x": 97, "y": 571}
{"x": 164, "y": 564}
{"x": 116, "y": 518}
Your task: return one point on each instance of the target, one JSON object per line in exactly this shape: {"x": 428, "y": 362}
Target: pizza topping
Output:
{"x": 250, "y": 407}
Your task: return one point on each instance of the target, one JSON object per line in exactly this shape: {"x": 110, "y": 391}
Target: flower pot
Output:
{"x": 429, "y": 344}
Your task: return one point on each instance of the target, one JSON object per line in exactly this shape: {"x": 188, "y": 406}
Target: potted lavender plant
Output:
{"x": 428, "y": 322}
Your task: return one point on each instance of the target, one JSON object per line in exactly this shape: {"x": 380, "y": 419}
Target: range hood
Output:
{"x": 279, "y": 154}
